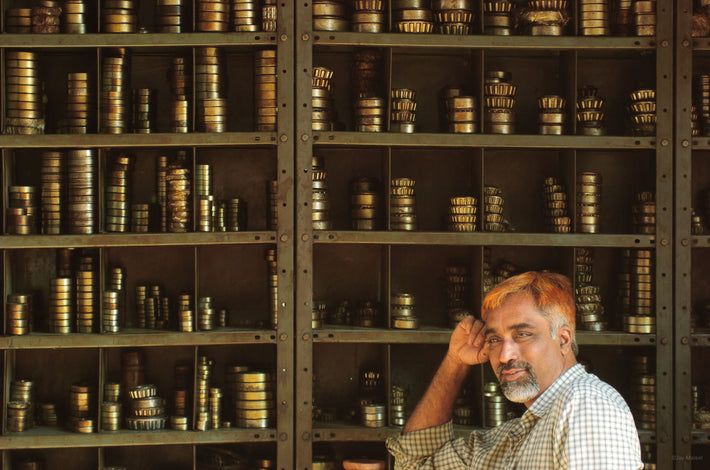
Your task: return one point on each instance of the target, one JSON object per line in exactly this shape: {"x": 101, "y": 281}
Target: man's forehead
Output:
{"x": 517, "y": 308}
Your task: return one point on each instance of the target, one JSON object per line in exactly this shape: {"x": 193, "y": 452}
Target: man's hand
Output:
{"x": 467, "y": 345}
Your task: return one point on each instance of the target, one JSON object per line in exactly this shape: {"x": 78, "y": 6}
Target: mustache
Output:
{"x": 512, "y": 364}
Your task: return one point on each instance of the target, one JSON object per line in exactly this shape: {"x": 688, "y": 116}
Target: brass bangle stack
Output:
{"x": 323, "y": 112}
{"x": 273, "y": 289}
{"x": 48, "y": 414}
{"x": 111, "y": 311}
{"x": 365, "y": 203}
{"x": 204, "y": 188}
{"x": 462, "y": 114}
{"x": 24, "y": 109}
{"x": 272, "y": 204}
{"x": 552, "y": 117}
{"x": 205, "y": 370}
{"x": 643, "y": 393}
{"x": 18, "y": 20}
{"x": 453, "y": 16}
{"x": 588, "y": 300}
{"x": 321, "y": 199}
{"x": 87, "y": 289}
{"x": 168, "y": 16}
{"x": 114, "y": 93}
{"x": 557, "y": 219}
{"x": 370, "y": 114}
{"x": 496, "y": 405}
{"x": 499, "y": 92}
{"x": 637, "y": 292}
{"x": 412, "y": 16}
{"x": 374, "y": 415}
{"x": 368, "y": 16}
{"x": 53, "y": 185}
{"x": 493, "y": 219}
{"x": 118, "y": 193}
{"x": 143, "y": 110}
{"x": 45, "y": 17}
{"x": 545, "y": 17}
{"x": 319, "y": 314}
{"x": 179, "y": 196}
{"x": 212, "y": 15}
{"x": 594, "y": 17}
{"x": 111, "y": 407}
{"x": 265, "y": 91}
{"x": 119, "y": 16}
{"x": 642, "y": 112}
{"x": 79, "y": 104}
{"x": 589, "y": 190}
{"x": 645, "y": 17}
{"x": 269, "y": 16}
{"x": 179, "y": 111}
{"x": 645, "y": 213}
{"x": 253, "y": 398}
{"x": 329, "y": 15}
{"x": 19, "y": 314}
{"x": 210, "y": 89}
{"x": 404, "y": 111}
{"x": 497, "y": 18}
{"x": 366, "y": 80}
{"x": 398, "y": 405}
{"x": 701, "y": 98}
{"x": 206, "y": 314}
{"x": 463, "y": 214}
{"x": 245, "y": 15}
{"x": 23, "y": 210}
{"x": 403, "y": 208}
{"x": 80, "y": 399}
{"x": 403, "y": 307}
{"x": 21, "y": 406}
{"x": 73, "y": 17}
{"x": 81, "y": 193}
{"x": 590, "y": 118}
{"x": 457, "y": 293}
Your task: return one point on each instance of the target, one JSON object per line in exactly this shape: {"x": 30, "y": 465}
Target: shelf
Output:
{"x": 433, "y": 335}
{"x": 396, "y": 139}
{"x": 42, "y": 438}
{"x": 484, "y": 238}
{"x": 438, "y": 41}
{"x": 58, "y": 41}
{"x": 701, "y": 44}
{"x": 701, "y": 437}
{"x": 111, "y": 240}
{"x": 137, "y": 337}
{"x": 700, "y": 339}
{"x": 193, "y": 139}
{"x": 701, "y": 143}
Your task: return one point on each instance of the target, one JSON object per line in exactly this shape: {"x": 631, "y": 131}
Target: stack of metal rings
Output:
{"x": 186, "y": 319}
{"x": 589, "y": 196}
{"x": 404, "y": 111}
{"x": 552, "y": 116}
{"x": 342, "y": 315}
{"x": 246, "y": 15}
{"x": 368, "y": 16}
{"x": 61, "y": 292}
{"x": 319, "y": 314}
{"x": 265, "y": 90}
{"x": 47, "y": 414}
{"x": 329, "y": 15}
{"x": 367, "y": 315}
{"x": 696, "y": 223}
{"x": 20, "y": 406}
{"x": 594, "y": 17}
{"x": 645, "y": 213}
{"x": 370, "y": 114}
{"x": 462, "y": 413}
{"x": 179, "y": 200}
{"x": 590, "y": 311}
{"x": 557, "y": 219}
{"x": 321, "y": 200}
{"x": 365, "y": 203}
{"x": 112, "y": 392}
{"x": 493, "y": 209}
{"x": 215, "y": 408}
{"x": 463, "y": 212}
{"x": 19, "y": 314}
{"x": 119, "y": 16}
{"x": 497, "y": 18}
{"x": 637, "y": 292}
{"x": 24, "y": 109}
{"x": 457, "y": 293}
{"x": 212, "y": 15}
{"x": 64, "y": 262}
{"x": 645, "y": 17}
{"x": 206, "y": 314}
{"x": 79, "y": 104}
{"x": 118, "y": 193}
{"x": 230, "y": 385}
{"x": 86, "y": 295}
{"x": 45, "y": 17}
{"x": 18, "y": 21}
{"x": 495, "y": 411}
{"x": 254, "y": 404}
{"x": 499, "y": 92}
{"x": 412, "y": 16}
{"x": 80, "y": 399}
{"x": 111, "y": 311}
{"x": 179, "y": 112}
{"x": 117, "y": 283}
{"x": 52, "y": 188}
{"x": 23, "y": 210}
{"x": 273, "y": 293}
{"x": 546, "y": 17}
{"x": 398, "y": 405}
{"x": 403, "y": 208}
{"x": 696, "y": 128}
{"x": 453, "y": 16}
{"x": 114, "y": 93}
{"x": 143, "y": 110}
{"x": 590, "y": 118}
{"x": 204, "y": 188}
{"x": 622, "y": 17}
{"x": 374, "y": 415}
{"x": 642, "y": 112}
{"x": 648, "y": 456}
{"x": 168, "y": 16}
{"x": 462, "y": 114}
{"x": 140, "y": 218}
{"x": 323, "y": 112}
{"x": 404, "y": 311}
{"x": 366, "y": 74}
{"x": 701, "y": 97}
{"x": 272, "y": 205}
{"x": 147, "y": 409}
{"x": 162, "y": 189}
{"x": 73, "y": 17}
{"x": 141, "y": 296}
{"x": 111, "y": 414}
{"x": 210, "y": 72}
{"x": 644, "y": 394}
{"x": 269, "y": 15}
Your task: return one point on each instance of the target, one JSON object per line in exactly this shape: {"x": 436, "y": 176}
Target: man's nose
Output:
{"x": 508, "y": 351}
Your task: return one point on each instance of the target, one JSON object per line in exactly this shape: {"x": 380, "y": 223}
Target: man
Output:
{"x": 573, "y": 420}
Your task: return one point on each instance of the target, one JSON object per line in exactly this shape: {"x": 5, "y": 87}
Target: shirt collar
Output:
{"x": 542, "y": 403}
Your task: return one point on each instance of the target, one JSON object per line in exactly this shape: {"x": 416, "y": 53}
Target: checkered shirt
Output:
{"x": 579, "y": 422}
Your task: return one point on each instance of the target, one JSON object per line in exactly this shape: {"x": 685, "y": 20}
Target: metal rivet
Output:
{"x": 684, "y": 340}
{"x": 284, "y": 237}
{"x": 304, "y": 137}
{"x": 284, "y": 37}
{"x": 685, "y": 144}
{"x": 305, "y": 37}
{"x": 283, "y": 436}
{"x": 664, "y": 242}
{"x": 283, "y": 138}
{"x": 664, "y": 43}
{"x": 283, "y": 336}
{"x": 684, "y": 242}
{"x": 305, "y": 237}
{"x": 685, "y": 43}
{"x": 306, "y": 337}
{"x": 664, "y": 142}
{"x": 306, "y": 436}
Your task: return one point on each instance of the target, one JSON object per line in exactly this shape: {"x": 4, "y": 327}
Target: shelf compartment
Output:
{"x": 193, "y": 139}
{"x": 58, "y": 41}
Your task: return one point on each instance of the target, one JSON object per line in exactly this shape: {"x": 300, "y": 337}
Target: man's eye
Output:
{"x": 492, "y": 341}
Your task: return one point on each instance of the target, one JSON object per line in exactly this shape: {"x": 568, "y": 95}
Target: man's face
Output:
{"x": 523, "y": 354}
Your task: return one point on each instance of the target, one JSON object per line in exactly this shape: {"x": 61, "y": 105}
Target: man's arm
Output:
{"x": 466, "y": 348}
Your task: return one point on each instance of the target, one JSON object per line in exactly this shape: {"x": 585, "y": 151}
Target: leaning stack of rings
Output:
{"x": 147, "y": 409}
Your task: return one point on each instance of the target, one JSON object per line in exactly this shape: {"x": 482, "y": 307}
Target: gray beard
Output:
{"x": 522, "y": 390}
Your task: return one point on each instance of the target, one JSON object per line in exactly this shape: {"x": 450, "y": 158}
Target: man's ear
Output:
{"x": 564, "y": 335}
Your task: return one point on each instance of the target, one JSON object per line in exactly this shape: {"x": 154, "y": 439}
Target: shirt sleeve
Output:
{"x": 431, "y": 449}
{"x": 598, "y": 433}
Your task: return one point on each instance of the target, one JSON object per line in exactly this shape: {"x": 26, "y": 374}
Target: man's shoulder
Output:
{"x": 588, "y": 389}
